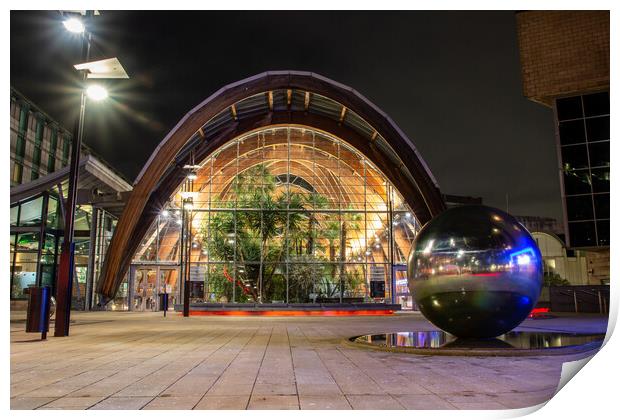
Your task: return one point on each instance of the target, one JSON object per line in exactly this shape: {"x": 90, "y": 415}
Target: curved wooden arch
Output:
{"x": 163, "y": 173}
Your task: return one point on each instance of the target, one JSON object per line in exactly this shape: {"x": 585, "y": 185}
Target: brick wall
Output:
{"x": 563, "y": 52}
{"x": 598, "y": 266}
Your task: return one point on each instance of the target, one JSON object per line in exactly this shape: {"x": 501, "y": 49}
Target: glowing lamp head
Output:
{"x": 74, "y": 25}
{"x": 192, "y": 176}
{"x": 96, "y": 92}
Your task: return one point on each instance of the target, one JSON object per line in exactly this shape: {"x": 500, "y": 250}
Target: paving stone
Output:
{"x": 122, "y": 403}
{"x": 274, "y": 402}
{"x": 72, "y": 403}
{"x": 324, "y": 402}
{"x": 274, "y": 389}
{"x": 370, "y": 402}
{"x": 318, "y": 389}
{"x": 423, "y": 402}
{"x": 172, "y": 403}
{"x": 488, "y": 405}
{"x": 218, "y": 402}
{"x": 29, "y": 403}
{"x": 140, "y": 360}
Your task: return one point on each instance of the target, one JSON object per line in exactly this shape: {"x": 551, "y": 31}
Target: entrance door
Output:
{"x": 150, "y": 282}
{"x": 169, "y": 283}
{"x": 145, "y": 289}
{"x": 401, "y": 288}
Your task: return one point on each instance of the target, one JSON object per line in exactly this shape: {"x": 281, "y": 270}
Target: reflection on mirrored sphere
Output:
{"x": 475, "y": 272}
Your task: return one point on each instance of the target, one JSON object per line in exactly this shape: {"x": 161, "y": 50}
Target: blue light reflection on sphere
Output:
{"x": 475, "y": 272}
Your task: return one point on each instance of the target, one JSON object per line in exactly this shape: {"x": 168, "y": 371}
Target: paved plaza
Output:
{"x": 144, "y": 361}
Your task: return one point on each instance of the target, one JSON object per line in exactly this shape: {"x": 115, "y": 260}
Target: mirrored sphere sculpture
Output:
{"x": 475, "y": 272}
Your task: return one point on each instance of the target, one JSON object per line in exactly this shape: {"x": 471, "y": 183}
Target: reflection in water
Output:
{"x": 514, "y": 340}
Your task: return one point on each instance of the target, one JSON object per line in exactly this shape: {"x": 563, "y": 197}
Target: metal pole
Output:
{"x": 64, "y": 282}
{"x": 575, "y": 300}
{"x": 186, "y": 268}
{"x": 92, "y": 253}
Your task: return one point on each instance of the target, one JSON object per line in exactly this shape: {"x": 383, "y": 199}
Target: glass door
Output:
{"x": 401, "y": 288}
{"x": 145, "y": 294}
{"x": 169, "y": 283}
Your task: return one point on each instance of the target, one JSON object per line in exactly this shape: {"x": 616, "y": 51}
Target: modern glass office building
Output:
{"x": 583, "y": 133}
{"x": 575, "y": 45}
{"x": 285, "y": 188}
{"x": 40, "y": 150}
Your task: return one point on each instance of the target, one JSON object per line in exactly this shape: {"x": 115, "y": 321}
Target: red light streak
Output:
{"x": 361, "y": 312}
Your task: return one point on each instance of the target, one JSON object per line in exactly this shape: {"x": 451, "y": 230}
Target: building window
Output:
{"x": 583, "y": 129}
{"x": 66, "y": 147}
{"x": 51, "y": 159}
{"x": 20, "y": 148}
{"x": 36, "y": 155}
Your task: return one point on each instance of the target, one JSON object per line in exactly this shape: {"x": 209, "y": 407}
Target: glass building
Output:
{"x": 40, "y": 150}
{"x": 283, "y": 188}
{"x": 583, "y": 133}
{"x": 283, "y": 214}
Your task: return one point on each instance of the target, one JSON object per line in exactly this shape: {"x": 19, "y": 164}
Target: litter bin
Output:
{"x": 163, "y": 302}
{"x": 38, "y": 315}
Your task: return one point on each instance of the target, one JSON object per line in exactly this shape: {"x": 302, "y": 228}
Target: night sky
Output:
{"x": 450, "y": 80}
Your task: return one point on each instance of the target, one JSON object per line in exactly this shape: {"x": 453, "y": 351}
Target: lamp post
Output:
{"x": 109, "y": 68}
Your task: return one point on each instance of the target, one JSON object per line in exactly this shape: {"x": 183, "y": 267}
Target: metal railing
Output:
{"x": 579, "y": 299}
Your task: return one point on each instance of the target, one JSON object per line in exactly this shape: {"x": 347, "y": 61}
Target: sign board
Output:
{"x": 197, "y": 273}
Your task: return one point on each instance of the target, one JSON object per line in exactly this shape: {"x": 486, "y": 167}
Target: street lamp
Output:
{"x": 96, "y": 92}
{"x": 74, "y": 25}
{"x": 109, "y": 68}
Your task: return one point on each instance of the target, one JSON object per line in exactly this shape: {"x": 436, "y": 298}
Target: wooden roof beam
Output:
{"x": 342, "y": 114}
{"x": 307, "y": 101}
{"x": 270, "y": 100}
{"x": 233, "y": 111}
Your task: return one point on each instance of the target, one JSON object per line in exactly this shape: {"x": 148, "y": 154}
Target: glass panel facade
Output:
{"x": 42, "y": 214}
{"x": 285, "y": 214}
{"x": 583, "y": 127}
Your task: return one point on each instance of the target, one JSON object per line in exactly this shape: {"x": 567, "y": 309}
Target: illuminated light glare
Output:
{"x": 179, "y": 221}
{"x": 368, "y": 252}
{"x": 429, "y": 247}
{"x": 408, "y": 214}
{"x": 192, "y": 176}
{"x": 523, "y": 259}
{"x": 176, "y": 213}
{"x": 96, "y": 92}
{"x": 165, "y": 213}
{"x": 74, "y": 25}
